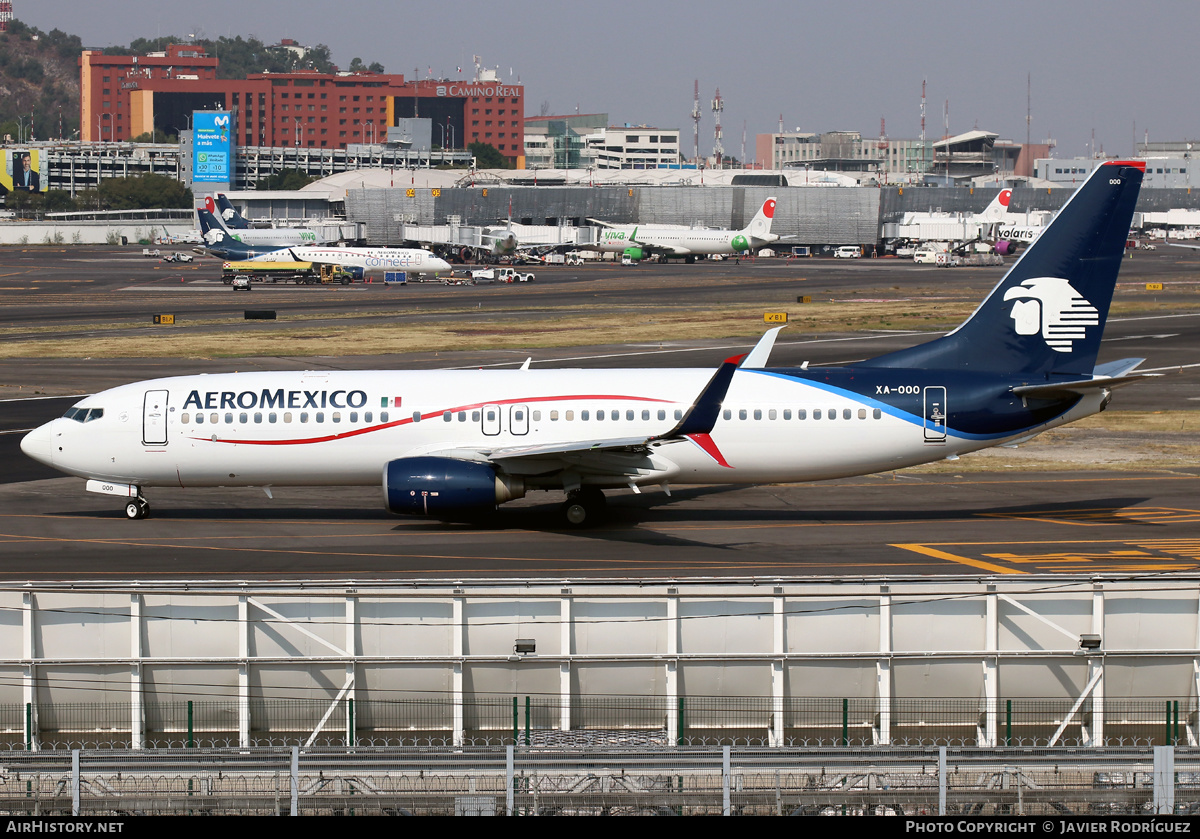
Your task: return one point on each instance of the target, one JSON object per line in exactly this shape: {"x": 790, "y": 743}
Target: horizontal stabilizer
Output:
{"x": 1057, "y": 390}
{"x": 1117, "y": 368}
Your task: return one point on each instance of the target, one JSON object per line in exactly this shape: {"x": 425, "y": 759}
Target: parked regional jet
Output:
{"x": 219, "y": 242}
{"x": 276, "y": 237}
{"x": 365, "y": 260}
{"x": 454, "y": 443}
{"x": 639, "y": 240}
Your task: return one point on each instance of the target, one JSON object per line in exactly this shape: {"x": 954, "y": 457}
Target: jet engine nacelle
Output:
{"x": 439, "y": 486}
{"x": 636, "y": 254}
{"x": 1004, "y": 247}
{"x": 504, "y": 244}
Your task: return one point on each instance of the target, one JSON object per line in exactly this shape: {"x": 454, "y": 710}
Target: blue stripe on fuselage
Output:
{"x": 984, "y": 393}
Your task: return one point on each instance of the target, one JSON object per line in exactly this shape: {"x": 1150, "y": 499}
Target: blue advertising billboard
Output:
{"x": 211, "y": 155}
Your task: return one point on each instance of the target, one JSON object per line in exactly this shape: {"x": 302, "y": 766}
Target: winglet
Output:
{"x": 702, "y": 416}
{"x": 756, "y": 359}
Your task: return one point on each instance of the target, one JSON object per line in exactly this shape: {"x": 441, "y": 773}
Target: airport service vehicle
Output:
{"x": 178, "y": 257}
{"x": 272, "y": 272}
{"x": 503, "y": 275}
{"x": 300, "y": 273}
{"x": 457, "y": 443}
{"x": 639, "y": 241}
{"x": 848, "y": 252}
{"x": 241, "y": 282}
{"x": 512, "y": 275}
{"x": 928, "y": 254}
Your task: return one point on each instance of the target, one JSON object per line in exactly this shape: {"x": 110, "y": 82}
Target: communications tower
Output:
{"x": 718, "y": 149}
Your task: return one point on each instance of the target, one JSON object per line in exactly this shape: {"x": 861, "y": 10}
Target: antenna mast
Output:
{"x": 696, "y": 124}
{"x": 717, "y": 106}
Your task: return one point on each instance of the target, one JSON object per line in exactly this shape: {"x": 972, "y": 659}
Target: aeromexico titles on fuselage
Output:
{"x": 266, "y": 399}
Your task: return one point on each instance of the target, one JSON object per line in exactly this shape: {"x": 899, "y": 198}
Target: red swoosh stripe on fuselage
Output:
{"x": 407, "y": 420}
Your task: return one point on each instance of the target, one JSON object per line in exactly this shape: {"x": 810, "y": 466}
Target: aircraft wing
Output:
{"x": 620, "y": 455}
{"x": 1181, "y": 245}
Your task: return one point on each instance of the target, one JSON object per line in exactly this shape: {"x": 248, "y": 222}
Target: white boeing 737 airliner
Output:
{"x": 454, "y": 443}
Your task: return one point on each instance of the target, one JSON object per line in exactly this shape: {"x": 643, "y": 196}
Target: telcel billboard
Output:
{"x": 211, "y": 155}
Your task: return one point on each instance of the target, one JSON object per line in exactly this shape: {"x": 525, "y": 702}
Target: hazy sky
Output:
{"x": 1115, "y": 68}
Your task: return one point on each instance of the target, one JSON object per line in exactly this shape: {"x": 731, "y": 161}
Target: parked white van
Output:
{"x": 848, "y": 252}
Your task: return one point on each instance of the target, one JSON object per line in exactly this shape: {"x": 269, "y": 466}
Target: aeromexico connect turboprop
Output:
{"x": 454, "y": 443}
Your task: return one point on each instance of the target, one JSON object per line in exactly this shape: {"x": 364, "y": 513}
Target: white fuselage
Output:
{"x": 681, "y": 241}
{"x": 274, "y": 237}
{"x": 370, "y": 260}
{"x": 342, "y": 428}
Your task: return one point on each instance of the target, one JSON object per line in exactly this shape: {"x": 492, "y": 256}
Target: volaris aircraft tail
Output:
{"x": 1046, "y": 317}
{"x": 998, "y": 209}
{"x": 760, "y": 226}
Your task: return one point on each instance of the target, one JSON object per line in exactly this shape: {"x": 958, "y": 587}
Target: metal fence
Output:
{"x": 516, "y": 780}
{"x": 606, "y": 721}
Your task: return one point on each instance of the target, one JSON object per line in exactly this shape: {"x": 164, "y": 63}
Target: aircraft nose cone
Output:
{"x": 440, "y": 265}
{"x": 38, "y": 445}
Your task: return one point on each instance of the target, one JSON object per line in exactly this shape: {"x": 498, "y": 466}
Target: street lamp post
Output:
{"x": 100, "y": 131}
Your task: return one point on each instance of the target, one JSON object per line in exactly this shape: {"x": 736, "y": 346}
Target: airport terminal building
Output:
{"x": 123, "y": 97}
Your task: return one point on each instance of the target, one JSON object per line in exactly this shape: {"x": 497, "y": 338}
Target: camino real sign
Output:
{"x": 211, "y": 147}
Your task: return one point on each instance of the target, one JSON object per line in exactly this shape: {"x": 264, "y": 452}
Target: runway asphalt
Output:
{"x": 1006, "y": 520}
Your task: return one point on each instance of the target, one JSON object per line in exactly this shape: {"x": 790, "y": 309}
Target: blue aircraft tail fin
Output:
{"x": 1046, "y": 317}
{"x": 229, "y": 214}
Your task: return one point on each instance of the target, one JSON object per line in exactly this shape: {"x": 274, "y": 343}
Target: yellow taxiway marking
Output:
{"x": 1091, "y": 556}
{"x": 962, "y": 560}
{"x": 1094, "y": 517}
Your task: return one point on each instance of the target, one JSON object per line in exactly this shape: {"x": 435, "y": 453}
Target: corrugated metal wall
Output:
{"x": 805, "y": 216}
{"x": 812, "y": 215}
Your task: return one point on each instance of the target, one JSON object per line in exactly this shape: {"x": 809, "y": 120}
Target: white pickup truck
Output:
{"x": 503, "y": 275}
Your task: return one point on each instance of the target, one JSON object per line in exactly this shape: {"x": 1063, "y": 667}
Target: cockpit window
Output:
{"x": 84, "y": 414}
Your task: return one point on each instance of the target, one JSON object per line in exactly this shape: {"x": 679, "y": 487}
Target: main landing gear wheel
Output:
{"x": 584, "y": 507}
{"x": 138, "y": 509}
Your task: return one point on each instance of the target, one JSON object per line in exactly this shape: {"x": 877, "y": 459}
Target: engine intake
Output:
{"x": 440, "y": 486}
